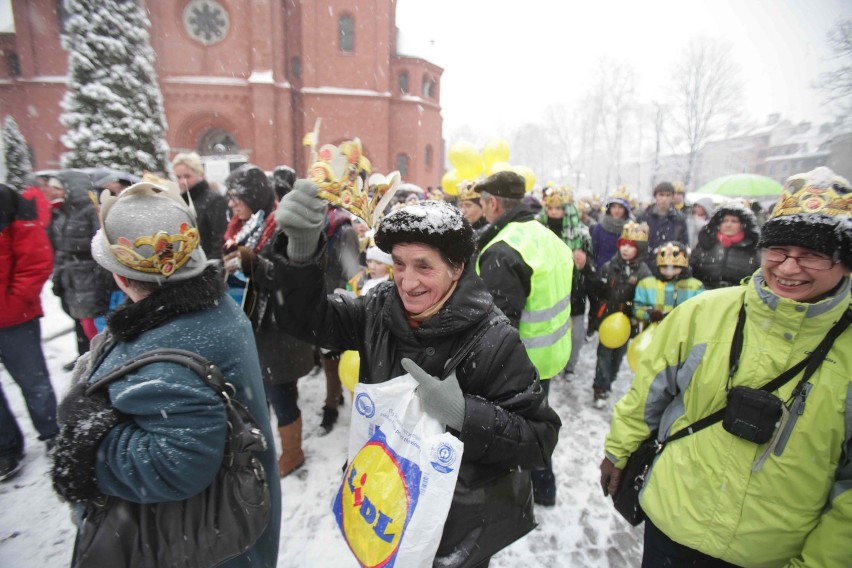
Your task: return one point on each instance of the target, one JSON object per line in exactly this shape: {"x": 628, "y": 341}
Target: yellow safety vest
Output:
{"x": 545, "y": 326}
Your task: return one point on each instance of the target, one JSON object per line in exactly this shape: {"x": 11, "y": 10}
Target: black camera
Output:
{"x": 752, "y": 414}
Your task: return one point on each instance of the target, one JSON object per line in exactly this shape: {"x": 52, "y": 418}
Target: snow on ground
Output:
{"x": 582, "y": 530}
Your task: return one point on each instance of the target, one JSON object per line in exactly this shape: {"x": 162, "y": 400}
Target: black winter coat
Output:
{"x": 212, "y": 211}
{"x": 508, "y": 423}
{"x": 615, "y": 287}
{"x": 718, "y": 266}
{"x": 664, "y": 228}
{"x": 76, "y": 275}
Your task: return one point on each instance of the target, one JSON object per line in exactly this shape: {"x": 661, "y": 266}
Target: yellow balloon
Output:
{"x": 465, "y": 158}
{"x": 495, "y": 150}
{"x": 350, "y": 367}
{"x": 450, "y": 182}
{"x": 528, "y": 175}
{"x": 614, "y": 330}
{"x": 471, "y": 170}
{"x": 498, "y": 167}
{"x": 638, "y": 345}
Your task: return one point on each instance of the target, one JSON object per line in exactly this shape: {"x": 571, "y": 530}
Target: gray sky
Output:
{"x": 505, "y": 60}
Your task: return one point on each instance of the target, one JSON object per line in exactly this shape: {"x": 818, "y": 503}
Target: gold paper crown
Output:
{"x": 339, "y": 173}
{"x": 818, "y": 191}
{"x": 467, "y": 191}
{"x": 679, "y": 187}
{"x": 621, "y": 193}
{"x": 170, "y": 251}
{"x": 557, "y": 196}
{"x": 633, "y": 231}
{"x": 673, "y": 254}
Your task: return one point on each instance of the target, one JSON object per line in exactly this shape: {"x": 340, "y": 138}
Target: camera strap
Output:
{"x": 809, "y": 364}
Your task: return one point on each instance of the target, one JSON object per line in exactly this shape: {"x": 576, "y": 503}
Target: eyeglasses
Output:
{"x": 778, "y": 256}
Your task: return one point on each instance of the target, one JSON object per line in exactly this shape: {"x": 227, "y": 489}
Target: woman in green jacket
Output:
{"x": 713, "y": 498}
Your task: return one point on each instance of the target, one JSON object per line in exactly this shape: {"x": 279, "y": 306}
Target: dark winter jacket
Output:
{"x": 615, "y": 287}
{"x": 75, "y": 274}
{"x": 170, "y": 443}
{"x": 502, "y": 267}
{"x": 508, "y": 423}
{"x": 664, "y": 228}
{"x": 576, "y": 235}
{"x": 26, "y": 259}
{"x": 283, "y": 358}
{"x": 718, "y": 266}
{"x": 605, "y": 235}
{"x": 212, "y": 211}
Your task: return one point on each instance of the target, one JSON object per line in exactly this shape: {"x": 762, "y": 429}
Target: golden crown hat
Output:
{"x": 340, "y": 171}
{"x": 557, "y": 196}
{"x": 621, "y": 193}
{"x": 467, "y": 191}
{"x": 818, "y": 191}
{"x": 633, "y": 231}
{"x": 673, "y": 254}
{"x": 679, "y": 187}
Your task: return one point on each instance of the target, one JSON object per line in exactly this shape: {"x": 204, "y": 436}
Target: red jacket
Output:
{"x": 26, "y": 260}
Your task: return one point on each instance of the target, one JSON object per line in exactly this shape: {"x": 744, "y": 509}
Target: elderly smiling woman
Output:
{"x": 433, "y": 307}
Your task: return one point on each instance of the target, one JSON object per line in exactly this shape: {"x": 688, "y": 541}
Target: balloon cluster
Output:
{"x": 470, "y": 164}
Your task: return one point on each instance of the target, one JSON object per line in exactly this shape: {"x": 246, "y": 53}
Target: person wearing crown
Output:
{"x": 158, "y": 433}
{"x": 613, "y": 291}
{"x": 671, "y": 285}
{"x": 610, "y": 226}
{"x": 470, "y": 206}
{"x": 720, "y": 496}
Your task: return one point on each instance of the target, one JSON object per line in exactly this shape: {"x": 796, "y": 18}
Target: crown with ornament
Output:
{"x": 673, "y": 253}
{"x": 557, "y": 196}
{"x": 633, "y": 231}
{"x": 340, "y": 173}
{"x": 818, "y": 191}
{"x": 467, "y": 191}
{"x": 621, "y": 193}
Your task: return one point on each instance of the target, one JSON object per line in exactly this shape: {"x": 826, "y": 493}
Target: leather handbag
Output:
{"x": 626, "y": 499}
{"x": 221, "y": 522}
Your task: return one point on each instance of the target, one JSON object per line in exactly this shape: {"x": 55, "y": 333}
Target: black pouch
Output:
{"x": 752, "y": 414}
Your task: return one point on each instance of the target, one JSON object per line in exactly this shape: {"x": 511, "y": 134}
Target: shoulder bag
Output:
{"x": 205, "y": 530}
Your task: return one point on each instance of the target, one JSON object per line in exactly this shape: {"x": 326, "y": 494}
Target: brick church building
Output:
{"x": 244, "y": 81}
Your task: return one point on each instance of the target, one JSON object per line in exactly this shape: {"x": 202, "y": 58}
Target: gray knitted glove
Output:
{"x": 301, "y": 215}
{"x": 443, "y": 400}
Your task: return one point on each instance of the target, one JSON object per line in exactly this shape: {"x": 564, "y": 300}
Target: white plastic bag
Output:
{"x": 401, "y": 475}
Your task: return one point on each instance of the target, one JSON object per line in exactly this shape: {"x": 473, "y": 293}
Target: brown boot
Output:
{"x": 333, "y": 394}
{"x": 292, "y": 456}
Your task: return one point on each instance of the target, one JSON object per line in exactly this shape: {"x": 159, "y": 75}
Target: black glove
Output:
{"x": 656, "y": 315}
{"x": 84, "y": 421}
{"x": 610, "y": 477}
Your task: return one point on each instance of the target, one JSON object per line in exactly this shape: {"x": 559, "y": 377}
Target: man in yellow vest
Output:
{"x": 528, "y": 270}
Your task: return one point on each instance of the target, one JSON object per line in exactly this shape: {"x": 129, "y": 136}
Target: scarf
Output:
{"x": 728, "y": 240}
{"x": 414, "y": 320}
{"x": 612, "y": 225}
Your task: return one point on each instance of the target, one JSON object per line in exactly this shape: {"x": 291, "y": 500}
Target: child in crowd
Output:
{"x": 379, "y": 264}
{"x": 658, "y": 295}
{"x": 614, "y": 289}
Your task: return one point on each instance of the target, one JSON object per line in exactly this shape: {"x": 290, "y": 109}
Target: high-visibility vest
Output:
{"x": 545, "y": 326}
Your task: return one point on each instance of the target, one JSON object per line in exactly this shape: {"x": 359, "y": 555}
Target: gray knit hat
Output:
{"x": 148, "y": 233}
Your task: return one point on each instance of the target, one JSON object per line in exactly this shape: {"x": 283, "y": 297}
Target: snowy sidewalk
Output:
{"x": 582, "y": 530}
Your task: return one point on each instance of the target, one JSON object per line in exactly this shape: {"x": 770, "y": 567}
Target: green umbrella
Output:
{"x": 742, "y": 185}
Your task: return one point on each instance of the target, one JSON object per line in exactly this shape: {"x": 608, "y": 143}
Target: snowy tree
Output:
{"x": 16, "y": 154}
{"x": 113, "y": 105}
{"x": 707, "y": 94}
{"x": 836, "y": 84}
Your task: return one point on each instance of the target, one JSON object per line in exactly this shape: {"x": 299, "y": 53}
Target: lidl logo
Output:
{"x": 378, "y": 495}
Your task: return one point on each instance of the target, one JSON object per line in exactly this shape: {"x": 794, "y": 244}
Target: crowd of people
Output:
{"x": 525, "y": 278}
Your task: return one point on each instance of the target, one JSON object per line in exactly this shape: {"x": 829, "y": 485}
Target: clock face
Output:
{"x": 206, "y": 21}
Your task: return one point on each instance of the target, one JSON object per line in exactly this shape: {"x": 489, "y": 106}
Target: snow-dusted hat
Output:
{"x": 148, "y": 233}
{"x": 434, "y": 223}
{"x": 377, "y": 254}
{"x": 504, "y": 184}
{"x": 813, "y": 212}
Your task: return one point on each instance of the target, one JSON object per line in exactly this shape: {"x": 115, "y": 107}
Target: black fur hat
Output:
{"x": 249, "y": 184}
{"x": 813, "y": 212}
{"x": 434, "y": 223}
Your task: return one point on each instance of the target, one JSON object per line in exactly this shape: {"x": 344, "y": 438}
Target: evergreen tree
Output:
{"x": 16, "y": 154}
{"x": 113, "y": 105}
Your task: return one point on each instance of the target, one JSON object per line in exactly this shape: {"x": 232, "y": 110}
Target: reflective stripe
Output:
{"x": 547, "y": 340}
{"x": 538, "y": 316}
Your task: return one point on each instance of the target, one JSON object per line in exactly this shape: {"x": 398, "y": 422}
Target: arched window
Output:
{"x": 403, "y": 83}
{"x": 427, "y": 156}
{"x": 402, "y": 164}
{"x": 217, "y": 141}
{"x": 428, "y": 87}
{"x": 296, "y": 67}
{"x": 346, "y": 33}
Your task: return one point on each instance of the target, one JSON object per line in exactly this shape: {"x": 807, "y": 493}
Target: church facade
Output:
{"x": 245, "y": 81}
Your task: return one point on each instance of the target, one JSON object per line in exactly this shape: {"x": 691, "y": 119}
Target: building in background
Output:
{"x": 244, "y": 81}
